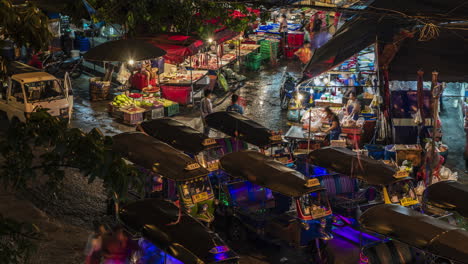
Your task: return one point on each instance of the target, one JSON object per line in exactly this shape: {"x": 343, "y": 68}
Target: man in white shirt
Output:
{"x": 206, "y": 108}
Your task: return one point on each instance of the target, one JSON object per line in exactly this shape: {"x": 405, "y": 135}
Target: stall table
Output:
{"x": 179, "y": 87}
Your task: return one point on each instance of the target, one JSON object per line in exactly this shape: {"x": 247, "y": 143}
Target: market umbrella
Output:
{"x": 124, "y": 50}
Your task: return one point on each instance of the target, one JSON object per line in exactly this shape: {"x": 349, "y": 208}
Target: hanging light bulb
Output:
{"x": 131, "y": 62}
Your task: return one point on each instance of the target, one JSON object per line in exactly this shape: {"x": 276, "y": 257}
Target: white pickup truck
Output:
{"x": 26, "y": 89}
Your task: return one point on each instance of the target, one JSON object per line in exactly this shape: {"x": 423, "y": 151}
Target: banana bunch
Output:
{"x": 122, "y": 101}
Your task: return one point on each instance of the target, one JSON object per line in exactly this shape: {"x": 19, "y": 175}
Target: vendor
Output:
{"x": 335, "y": 128}
{"x": 353, "y": 108}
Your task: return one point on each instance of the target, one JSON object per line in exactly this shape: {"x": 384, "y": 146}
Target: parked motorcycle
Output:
{"x": 287, "y": 90}
{"x": 58, "y": 64}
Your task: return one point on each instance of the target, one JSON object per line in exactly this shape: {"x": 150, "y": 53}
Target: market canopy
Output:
{"x": 157, "y": 156}
{"x": 160, "y": 223}
{"x": 178, "y": 135}
{"x": 124, "y": 50}
{"x": 236, "y": 125}
{"x": 264, "y": 171}
{"x": 348, "y": 162}
{"x": 363, "y": 30}
{"x": 448, "y": 195}
{"x": 418, "y": 230}
{"x": 177, "y": 46}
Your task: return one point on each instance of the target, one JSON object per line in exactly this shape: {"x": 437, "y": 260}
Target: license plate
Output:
{"x": 200, "y": 197}
{"x": 408, "y": 201}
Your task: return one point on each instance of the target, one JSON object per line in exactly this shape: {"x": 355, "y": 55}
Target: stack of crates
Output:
{"x": 269, "y": 49}
{"x": 254, "y": 61}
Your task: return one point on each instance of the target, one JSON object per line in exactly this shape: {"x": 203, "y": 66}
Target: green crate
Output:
{"x": 253, "y": 65}
{"x": 171, "y": 110}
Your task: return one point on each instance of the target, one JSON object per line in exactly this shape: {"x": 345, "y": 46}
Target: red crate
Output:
{"x": 290, "y": 53}
{"x": 295, "y": 39}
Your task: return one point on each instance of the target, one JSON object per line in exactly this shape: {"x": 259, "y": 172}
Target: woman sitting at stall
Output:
{"x": 335, "y": 128}
{"x": 353, "y": 107}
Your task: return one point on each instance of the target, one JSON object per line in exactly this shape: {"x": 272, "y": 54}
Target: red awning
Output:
{"x": 177, "y": 46}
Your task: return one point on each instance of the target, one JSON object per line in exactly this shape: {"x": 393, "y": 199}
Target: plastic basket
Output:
{"x": 154, "y": 113}
{"x": 171, "y": 110}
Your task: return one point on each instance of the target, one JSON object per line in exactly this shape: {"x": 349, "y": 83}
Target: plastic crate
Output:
{"x": 295, "y": 39}
{"x": 154, "y": 113}
{"x": 290, "y": 52}
{"x": 132, "y": 118}
{"x": 171, "y": 110}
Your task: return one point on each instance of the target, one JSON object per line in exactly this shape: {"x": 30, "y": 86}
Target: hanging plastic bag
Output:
{"x": 418, "y": 118}
{"x": 123, "y": 75}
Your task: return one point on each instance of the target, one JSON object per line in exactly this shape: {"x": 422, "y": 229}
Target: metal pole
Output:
{"x": 192, "y": 100}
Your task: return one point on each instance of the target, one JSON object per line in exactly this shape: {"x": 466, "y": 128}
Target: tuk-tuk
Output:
{"x": 183, "y": 178}
{"x": 166, "y": 235}
{"x": 445, "y": 198}
{"x": 440, "y": 241}
{"x": 203, "y": 149}
{"x": 238, "y": 126}
{"x": 273, "y": 201}
{"x": 393, "y": 186}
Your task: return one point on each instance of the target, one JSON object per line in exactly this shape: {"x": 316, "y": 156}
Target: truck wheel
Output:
{"x": 236, "y": 231}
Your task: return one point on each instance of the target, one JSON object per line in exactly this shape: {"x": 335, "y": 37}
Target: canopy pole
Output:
{"x": 192, "y": 100}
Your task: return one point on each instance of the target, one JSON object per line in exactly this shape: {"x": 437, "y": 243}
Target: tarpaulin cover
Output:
{"x": 150, "y": 153}
{"x": 418, "y": 230}
{"x": 177, "y": 46}
{"x": 345, "y": 161}
{"x": 448, "y": 195}
{"x": 188, "y": 240}
{"x": 123, "y": 50}
{"x": 236, "y": 125}
{"x": 224, "y": 34}
{"x": 176, "y": 134}
{"x": 444, "y": 53}
{"x": 265, "y": 171}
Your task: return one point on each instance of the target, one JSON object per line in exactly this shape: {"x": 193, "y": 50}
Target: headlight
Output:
{"x": 306, "y": 226}
{"x": 323, "y": 222}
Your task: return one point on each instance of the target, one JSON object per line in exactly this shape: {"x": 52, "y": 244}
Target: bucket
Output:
{"x": 389, "y": 154}
{"x": 75, "y": 53}
{"x": 376, "y": 152}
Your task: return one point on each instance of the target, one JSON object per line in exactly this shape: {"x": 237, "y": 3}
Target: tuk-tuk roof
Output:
{"x": 248, "y": 130}
{"x": 418, "y": 230}
{"x": 266, "y": 172}
{"x": 177, "y": 135}
{"x": 448, "y": 195}
{"x": 345, "y": 161}
{"x": 146, "y": 151}
{"x": 188, "y": 240}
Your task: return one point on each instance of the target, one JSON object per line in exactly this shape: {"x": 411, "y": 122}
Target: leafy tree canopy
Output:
{"x": 144, "y": 17}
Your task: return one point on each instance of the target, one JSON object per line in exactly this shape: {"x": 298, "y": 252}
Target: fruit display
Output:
{"x": 165, "y": 102}
{"x": 123, "y": 101}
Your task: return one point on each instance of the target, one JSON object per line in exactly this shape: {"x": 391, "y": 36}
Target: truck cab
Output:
{"x": 26, "y": 89}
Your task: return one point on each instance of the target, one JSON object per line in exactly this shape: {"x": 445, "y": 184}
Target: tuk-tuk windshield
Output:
{"x": 211, "y": 154}
{"x": 198, "y": 189}
{"x": 315, "y": 204}
{"x": 403, "y": 193}
{"x": 43, "y": 90}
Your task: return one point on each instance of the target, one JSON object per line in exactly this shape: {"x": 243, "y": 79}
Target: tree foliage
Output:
{"x": 144, "y": 17}
{"x": 45, "y": 146}
{"x": 24, "y": 25}
{"x": 17, "y": 241}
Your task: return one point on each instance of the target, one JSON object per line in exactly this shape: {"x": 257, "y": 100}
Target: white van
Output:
{"x": 27, "y": 89}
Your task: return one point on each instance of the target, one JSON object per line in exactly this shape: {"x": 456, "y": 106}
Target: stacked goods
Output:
{"x": 170, "y": 108}
{"x": 98, "y": 89}
{"x": 269, "y": 49}
{"x": 254, "y": 61}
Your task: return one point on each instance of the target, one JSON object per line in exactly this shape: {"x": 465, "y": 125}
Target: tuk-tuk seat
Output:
{"x": 249, "y": 197}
